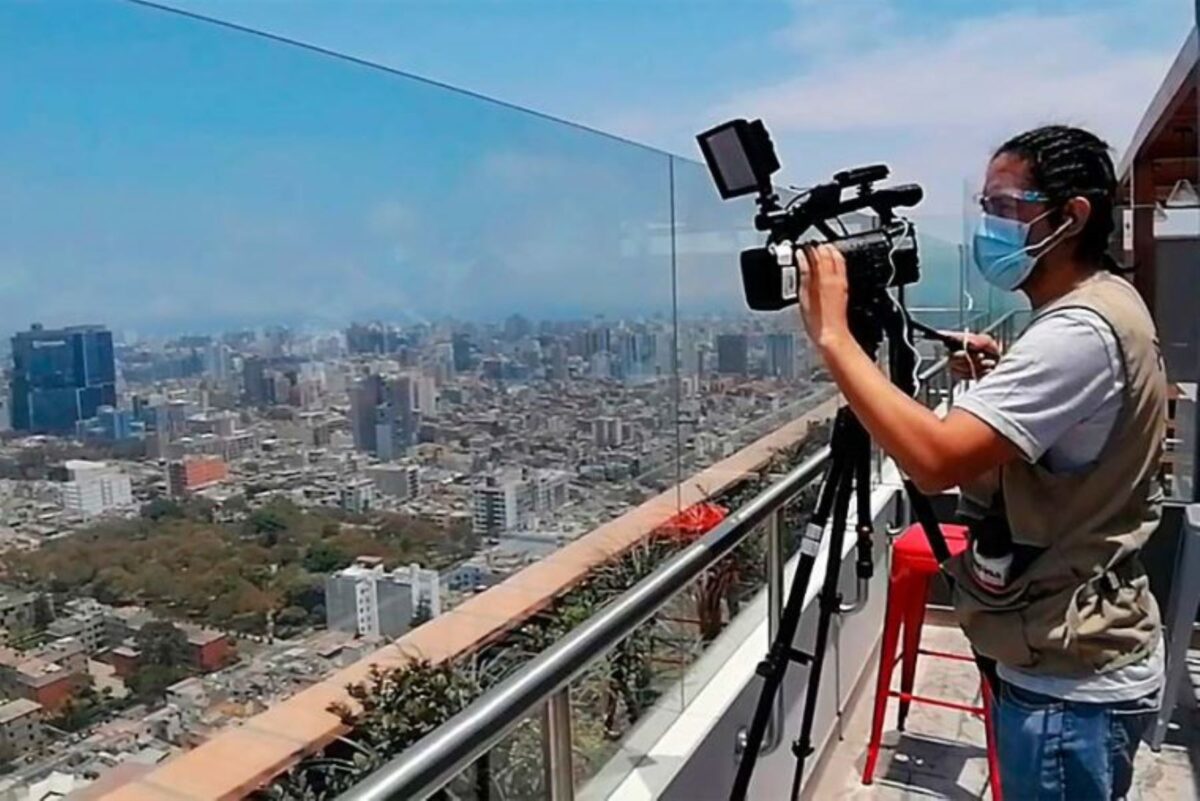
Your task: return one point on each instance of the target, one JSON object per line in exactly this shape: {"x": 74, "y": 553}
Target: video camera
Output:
{"x": 741, "y": 158}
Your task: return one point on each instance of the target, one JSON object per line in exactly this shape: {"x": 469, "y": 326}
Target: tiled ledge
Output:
{"x": 240, "y": 760}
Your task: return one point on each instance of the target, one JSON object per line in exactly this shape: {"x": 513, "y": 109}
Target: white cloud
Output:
{"x": 935, "y": 104}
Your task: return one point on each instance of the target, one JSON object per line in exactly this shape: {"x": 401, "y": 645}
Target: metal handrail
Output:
{"x": 429, "y": 764}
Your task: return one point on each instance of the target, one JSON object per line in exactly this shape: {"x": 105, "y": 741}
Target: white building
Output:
{"x": 506, "y": 501}
{"x": 94, "y": 488}
{"x": 83, "y": 619}
{"x": 494, "y": 505}
{"x": 357, "y": 496}
{"x": 366, "y": 600}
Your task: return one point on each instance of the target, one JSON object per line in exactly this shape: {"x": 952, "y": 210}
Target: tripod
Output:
{"x": 849, "y": 471}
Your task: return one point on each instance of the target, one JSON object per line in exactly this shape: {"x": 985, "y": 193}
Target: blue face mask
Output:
{"x": 1001, "y": 253}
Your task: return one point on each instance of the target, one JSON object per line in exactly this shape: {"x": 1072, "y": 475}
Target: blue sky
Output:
{"x": 928, "y": 85}
{"x": 166, "y": 174}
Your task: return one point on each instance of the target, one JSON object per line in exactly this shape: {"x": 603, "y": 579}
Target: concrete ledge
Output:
{"x": 240, "y": 760}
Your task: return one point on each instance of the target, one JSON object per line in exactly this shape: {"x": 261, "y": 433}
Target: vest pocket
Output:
{"x": 998, "y": 633}
{"x": 1110, "y": 619}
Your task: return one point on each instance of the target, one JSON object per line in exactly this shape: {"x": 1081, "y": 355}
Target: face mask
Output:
{"x": 1001, "y": 253}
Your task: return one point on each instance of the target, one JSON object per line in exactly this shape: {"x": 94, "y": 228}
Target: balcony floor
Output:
{"x": 942, "y": 755}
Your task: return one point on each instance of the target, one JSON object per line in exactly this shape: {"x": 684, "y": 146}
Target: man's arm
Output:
{"x": 936, "y": 453}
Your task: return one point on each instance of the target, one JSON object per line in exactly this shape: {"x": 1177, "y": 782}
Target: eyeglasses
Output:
{"x": 1006, "y": 202}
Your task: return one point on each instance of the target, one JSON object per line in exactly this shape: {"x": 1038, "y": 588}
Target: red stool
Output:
{"x": 913, "y": 567}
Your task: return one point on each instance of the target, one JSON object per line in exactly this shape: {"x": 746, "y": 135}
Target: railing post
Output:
{"x": 775, "y": 599}
{"x": 556, "y": 746}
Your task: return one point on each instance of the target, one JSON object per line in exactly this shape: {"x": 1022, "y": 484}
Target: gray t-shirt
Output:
{"x": 1056, "y": 395}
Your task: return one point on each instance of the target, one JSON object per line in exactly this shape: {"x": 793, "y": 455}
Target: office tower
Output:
{"x": 255, "y": 388}
{"x": 364, "y": 398}
{"x": 366, "y": 600}
{"x": 94, "y": 488}
{"x": 383, "y": 415}
{"x": 516, "y": 327}
{"x": 781, "y": 355}
{"x": 426, "y": 396}
{"x": 218, "y": 361}
{"x": 607, "y": 432}
{"x": 61, "y": 376}
{"x": 732, "y": 354}
{"x": 558, "y": 363}
{"x": 463, "y": 350}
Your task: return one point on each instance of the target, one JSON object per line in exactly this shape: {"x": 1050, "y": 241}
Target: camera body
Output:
{"x": 741, "y": 158}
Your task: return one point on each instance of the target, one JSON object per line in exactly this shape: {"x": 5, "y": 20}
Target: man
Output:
{"x": 1056, "y": 450}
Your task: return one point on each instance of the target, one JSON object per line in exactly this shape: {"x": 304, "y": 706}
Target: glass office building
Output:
{"x": 61, "y": 376}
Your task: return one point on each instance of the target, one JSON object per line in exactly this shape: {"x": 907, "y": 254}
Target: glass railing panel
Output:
{"x": 392, "y": 320}
{"x": 742, "y": 374}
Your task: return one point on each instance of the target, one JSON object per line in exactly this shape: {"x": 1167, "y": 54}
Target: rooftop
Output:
{"x": 19, "y": 708}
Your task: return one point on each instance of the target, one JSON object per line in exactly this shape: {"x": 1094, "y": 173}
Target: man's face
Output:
{"x": 1008, "y": 191}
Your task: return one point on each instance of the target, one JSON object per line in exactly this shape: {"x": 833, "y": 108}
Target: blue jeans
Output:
{"x": 1055, "y": 750}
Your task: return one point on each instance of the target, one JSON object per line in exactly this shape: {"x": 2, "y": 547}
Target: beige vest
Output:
{"x": 1083, "y": 605}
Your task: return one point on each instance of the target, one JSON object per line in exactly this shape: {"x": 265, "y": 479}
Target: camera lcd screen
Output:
{"x": 726, "y": 155}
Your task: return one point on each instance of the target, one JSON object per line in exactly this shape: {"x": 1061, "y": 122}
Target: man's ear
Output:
{"x": 1079, "y": 209}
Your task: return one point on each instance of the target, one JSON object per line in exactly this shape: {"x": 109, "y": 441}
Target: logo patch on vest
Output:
{"x": 991, "y": 572}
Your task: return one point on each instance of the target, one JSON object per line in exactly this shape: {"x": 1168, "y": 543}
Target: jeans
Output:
{"x": 1056, "y": 750}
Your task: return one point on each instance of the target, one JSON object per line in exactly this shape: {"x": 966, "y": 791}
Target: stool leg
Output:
{"x": 887, "y": 660}
{"x": 993, "y": 756}
{"x": 914, "y": 619}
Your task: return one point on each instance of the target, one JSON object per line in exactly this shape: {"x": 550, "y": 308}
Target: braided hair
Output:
{"x": 1067, "y": 162}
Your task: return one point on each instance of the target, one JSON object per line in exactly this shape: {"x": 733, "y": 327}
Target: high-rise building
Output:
{"x": 516, "y": 327}
{"x": 61, "y": 376}
{"x": 732, "y": 354}
{"x": 464, "y": 352}
{"x": 607, "y": 433}
{"x": 364, "y": 398}
{"x": 426, "y": 396}
{"x": 383, "y": 415}
{"x": 366, "y": 600}
{"x": 217, "y": 361}
{"x": 255, "y": 388}
{"x": 494, "y": 505}
{"x": 781, "y": 355}
{"x": 94, "y": 488}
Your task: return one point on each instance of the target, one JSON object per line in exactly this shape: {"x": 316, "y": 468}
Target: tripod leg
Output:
{"x": 830, "y": 599}
{"x": 782, "y": 652}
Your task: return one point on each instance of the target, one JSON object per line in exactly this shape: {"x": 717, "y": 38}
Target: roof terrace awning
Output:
{"x": 1164, "y": 152}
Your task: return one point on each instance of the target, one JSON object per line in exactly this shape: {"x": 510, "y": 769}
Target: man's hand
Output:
{"x": 824, "y": 294}
{"x": 966, "y": 364}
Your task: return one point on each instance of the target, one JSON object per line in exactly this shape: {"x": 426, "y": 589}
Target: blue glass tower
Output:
{"x": 61, "y": 376}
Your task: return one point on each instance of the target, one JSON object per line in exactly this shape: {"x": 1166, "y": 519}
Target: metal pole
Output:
{"x": 556, "y": 745}
{"x": 775, "y": 592}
